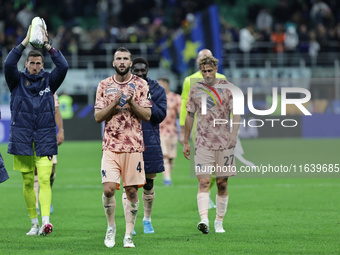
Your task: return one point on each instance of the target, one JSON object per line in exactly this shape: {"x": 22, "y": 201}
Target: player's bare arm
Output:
{"x": 142, "y": 112}
{"x": 59, "y": 122}
{"x": 233, "y": 135}
{"x": 107, "y": 112}
{"x": 181, "y": 135}
{"x": 189, "y": 120}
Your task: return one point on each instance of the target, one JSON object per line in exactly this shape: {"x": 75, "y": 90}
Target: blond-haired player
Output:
{"x": 187, "y": 84}
{"x": 214, "y": 143}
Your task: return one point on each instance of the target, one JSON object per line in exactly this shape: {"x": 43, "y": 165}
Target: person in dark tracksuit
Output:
{"x": 33, "y": 139}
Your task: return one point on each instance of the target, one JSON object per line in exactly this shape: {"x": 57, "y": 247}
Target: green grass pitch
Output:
{"x": 265, "y": 215}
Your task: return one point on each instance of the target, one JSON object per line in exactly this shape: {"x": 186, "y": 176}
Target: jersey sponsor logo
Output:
{"x": 104, "y": 173}
{"x": 42, "y": 92}
{"x": 111, "y": 91}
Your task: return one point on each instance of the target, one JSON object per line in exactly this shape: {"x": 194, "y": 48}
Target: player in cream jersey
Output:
{"x": 168, "y": 130}
{"x": 122, "y": 102}
{"x": 214, "y": 143}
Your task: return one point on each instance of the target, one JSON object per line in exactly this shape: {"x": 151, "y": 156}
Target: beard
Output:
{"x": 122, "y": 73}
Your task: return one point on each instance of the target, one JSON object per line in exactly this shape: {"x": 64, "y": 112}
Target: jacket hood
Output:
{"x": 34, "y": 82}
{"x": 34, "y": 77}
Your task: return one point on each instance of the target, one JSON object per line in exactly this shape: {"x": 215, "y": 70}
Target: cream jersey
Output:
{"x": 219, "y": 104}
{"x": 123, "y": 131}
{"x": 168, "y": 126}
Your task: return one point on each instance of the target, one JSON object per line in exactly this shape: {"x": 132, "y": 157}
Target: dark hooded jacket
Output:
{"x": 32, "y": 105}
{"x": 153, "y": 156}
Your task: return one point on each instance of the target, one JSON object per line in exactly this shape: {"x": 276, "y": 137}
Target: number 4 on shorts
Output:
{"x": 139, "y": 167}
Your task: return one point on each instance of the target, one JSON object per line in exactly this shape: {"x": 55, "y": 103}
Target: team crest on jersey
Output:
{"x": 27, "y": 83}
{"x": 149, "y": 95}
{"x": 111, "y": 91}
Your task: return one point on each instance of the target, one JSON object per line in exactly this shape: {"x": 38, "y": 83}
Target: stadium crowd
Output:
{"x": 82, "y": 27}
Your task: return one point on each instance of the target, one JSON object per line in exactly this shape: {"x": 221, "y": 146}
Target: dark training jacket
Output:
{"x": 32, "y": 105}
{"x": 153, "y": 156}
